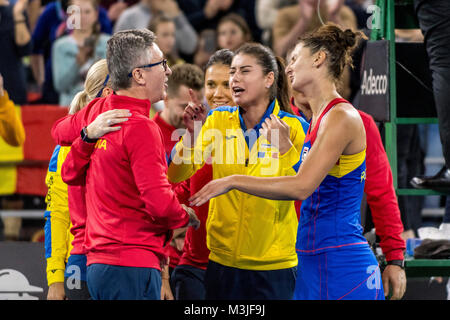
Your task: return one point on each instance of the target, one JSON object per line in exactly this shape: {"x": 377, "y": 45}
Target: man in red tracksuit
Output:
{"x": 380, "y": 197}
{"x": 130, "y": 204}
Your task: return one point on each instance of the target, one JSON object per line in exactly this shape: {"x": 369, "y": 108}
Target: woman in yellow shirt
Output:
{"x": 251, "y": 257}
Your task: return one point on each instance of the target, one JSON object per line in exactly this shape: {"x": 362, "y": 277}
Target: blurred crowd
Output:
{"x": 48, "y": 46}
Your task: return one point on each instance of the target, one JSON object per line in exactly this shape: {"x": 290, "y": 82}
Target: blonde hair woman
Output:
{"x": 64, "y": 233}
{"x": 94, "y": 86}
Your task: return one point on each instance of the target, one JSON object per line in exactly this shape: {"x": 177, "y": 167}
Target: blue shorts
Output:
{"x": 346, "y": 274}
{"x": 227, "y": 283}
{"x": 187, "y": 283}
{"x": 108, "y": 282}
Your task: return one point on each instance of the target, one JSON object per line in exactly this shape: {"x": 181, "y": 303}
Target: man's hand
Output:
{"x": 56, "y": 291}
{"x": 193, "y": 220}
{"x": 394, "y": 277}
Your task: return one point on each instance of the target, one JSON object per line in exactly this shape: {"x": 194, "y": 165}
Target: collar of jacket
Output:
{"x": 273, "y": 107}
{"x": 141, "y": 106}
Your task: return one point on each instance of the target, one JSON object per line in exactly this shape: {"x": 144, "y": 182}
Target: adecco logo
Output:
{"x": 373, "y": 84}
{"x": 15, "y": 286}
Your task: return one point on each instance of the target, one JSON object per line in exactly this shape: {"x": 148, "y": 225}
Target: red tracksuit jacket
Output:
{"x": 380, "y": 191}
{"x": 130, "y": 203}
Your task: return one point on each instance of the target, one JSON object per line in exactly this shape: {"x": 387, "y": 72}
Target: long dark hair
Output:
{"x": 270, "y": 63}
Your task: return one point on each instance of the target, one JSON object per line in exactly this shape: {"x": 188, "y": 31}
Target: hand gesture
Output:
{"x": 104, "y": 122}
{"x": 212, "y": 189}
{"x": 195, "y": 111}
{"x": 193, "y": 220}
{"x": 277, "y": 132}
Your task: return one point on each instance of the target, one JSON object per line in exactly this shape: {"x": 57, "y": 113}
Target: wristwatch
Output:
{"x": 85, "y": 138}
{"x": 400, "y": 263}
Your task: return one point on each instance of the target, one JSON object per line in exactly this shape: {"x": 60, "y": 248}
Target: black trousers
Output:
{"x": 410, "y": 158}
{"x": 227, "y": 283}
{"x": 434, "y": 20}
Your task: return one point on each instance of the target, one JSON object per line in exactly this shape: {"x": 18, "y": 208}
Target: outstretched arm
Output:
{"x": 336, "y": 135}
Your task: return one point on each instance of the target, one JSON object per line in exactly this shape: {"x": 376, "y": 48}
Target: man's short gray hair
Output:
{"x": 127, "y": 50}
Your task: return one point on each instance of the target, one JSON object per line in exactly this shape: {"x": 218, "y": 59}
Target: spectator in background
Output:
{"x": 11, "y": 127}
{"x": 74, "y": 54}
{"x": 51, "y": 25}
{"x": 139, "y": 16}
{"x": 165, "y": 32}
{"x": 115, "y": 8}
{"x": 434, "y": 21}
{"x": 206, "y": 14}
{"x": 295, "y": 20}
{"x": 359, "y": 8}
{"x": 232, "y": 32}
{"x": 266, "y": 13}
{"x": 15, "y": 43}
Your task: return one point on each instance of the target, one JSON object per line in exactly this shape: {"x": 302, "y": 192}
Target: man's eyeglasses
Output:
{"x": 163, "y": 62}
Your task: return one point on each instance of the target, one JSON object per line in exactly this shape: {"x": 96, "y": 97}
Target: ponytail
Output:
{"x": 80, "y": 100}
{"x": 283, "y": 95}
